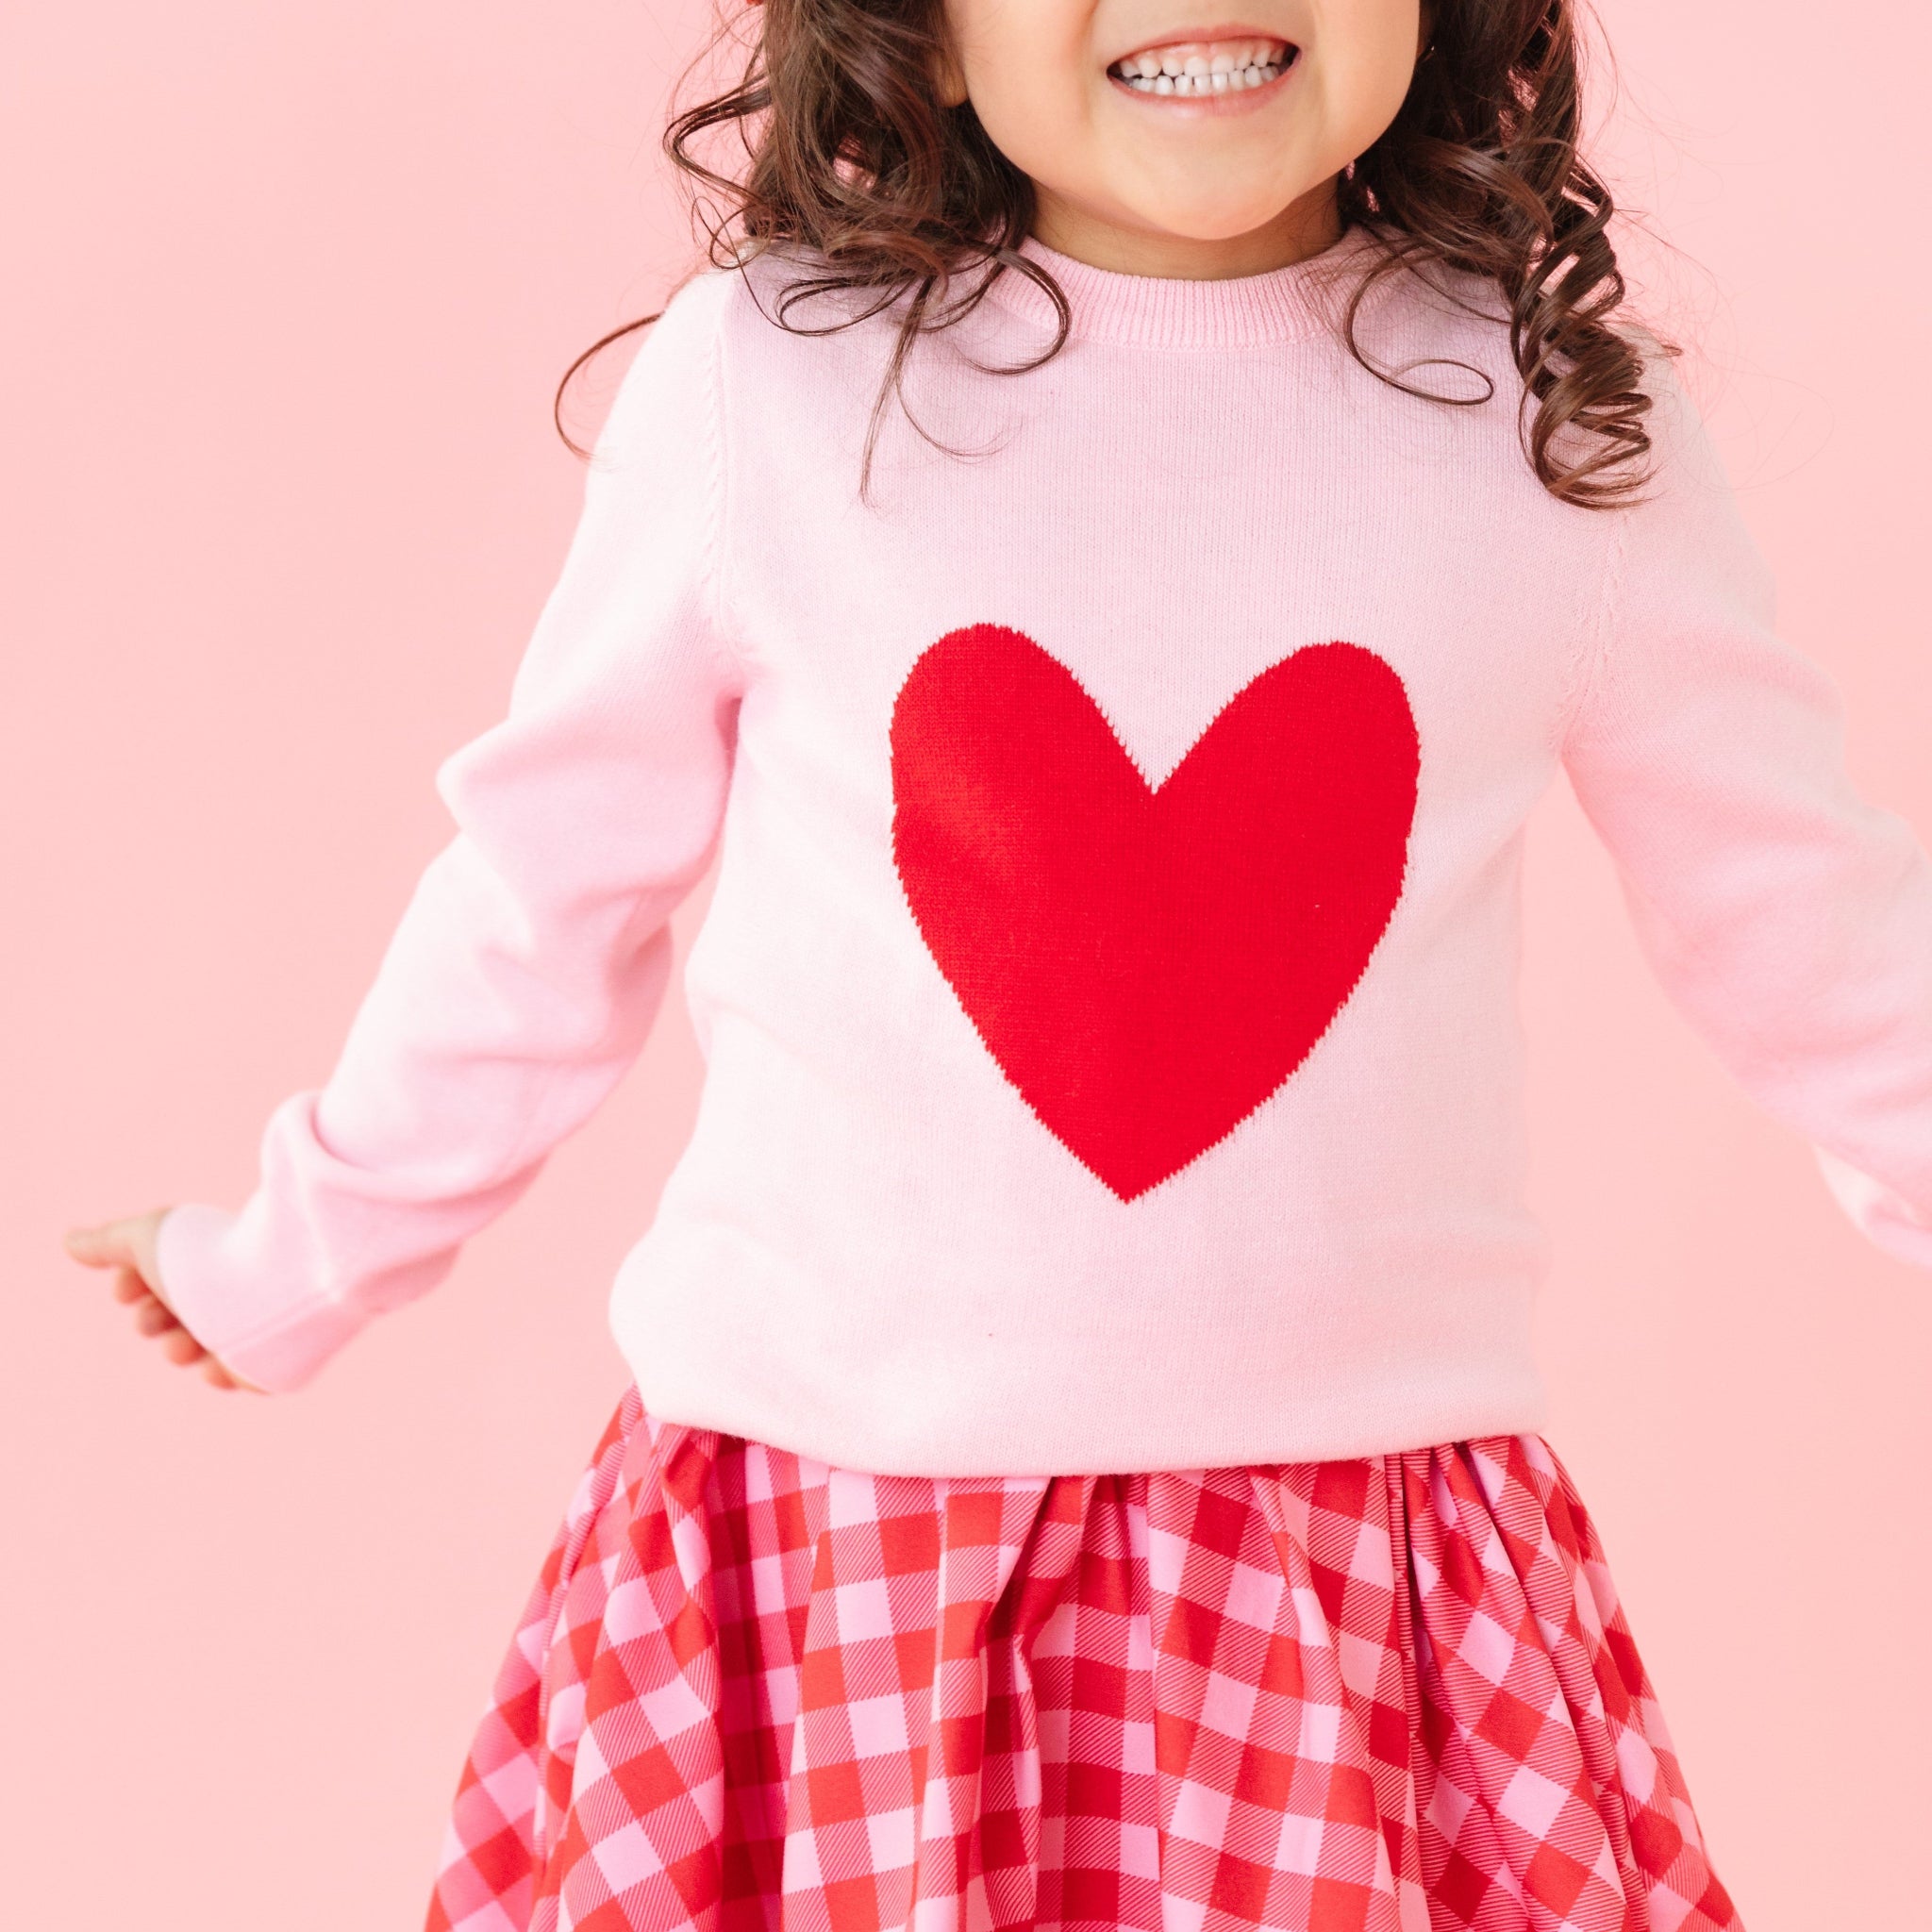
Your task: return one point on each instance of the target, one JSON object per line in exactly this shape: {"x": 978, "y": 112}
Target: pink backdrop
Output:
{"x": 288, "y": 288}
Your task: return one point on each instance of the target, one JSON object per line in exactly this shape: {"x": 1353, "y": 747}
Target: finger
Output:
{"x": 225, "y": 1377}
{"x": 154, "y": 1318}
{"x": 181, "y": 1346}
{"x": 100, "y": 1246}
{"x": 130, "y": 1287}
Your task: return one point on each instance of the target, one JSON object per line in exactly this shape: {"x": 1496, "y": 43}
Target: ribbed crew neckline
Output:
{"x": 1180, "y": 312}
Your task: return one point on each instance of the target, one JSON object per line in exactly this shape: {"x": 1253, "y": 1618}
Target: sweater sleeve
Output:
{"x": 1789, "y": 919}
{"x": 534, "y": 952}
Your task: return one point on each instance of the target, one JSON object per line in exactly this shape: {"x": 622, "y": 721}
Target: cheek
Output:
{"x": 1368, "y": 55}
{"x": 1034, "y": 105}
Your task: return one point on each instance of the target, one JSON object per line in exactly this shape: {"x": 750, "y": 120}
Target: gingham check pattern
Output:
{"x": 755, "y": 1692}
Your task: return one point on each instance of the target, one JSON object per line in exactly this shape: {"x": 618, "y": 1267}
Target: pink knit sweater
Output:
{"x": 1109, "y": 997}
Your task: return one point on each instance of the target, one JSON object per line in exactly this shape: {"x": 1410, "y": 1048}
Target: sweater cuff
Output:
{"x": 231, "y": 1302}
{"x": 1884, "y": 1217}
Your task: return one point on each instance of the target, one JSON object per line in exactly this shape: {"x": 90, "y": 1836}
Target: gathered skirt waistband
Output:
{"x": 757, "y": 1693}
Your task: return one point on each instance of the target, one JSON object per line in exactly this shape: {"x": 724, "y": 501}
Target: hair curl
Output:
{"x": 852, "y": 160}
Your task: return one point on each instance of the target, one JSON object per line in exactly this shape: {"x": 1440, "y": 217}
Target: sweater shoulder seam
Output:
{"x": 1588, "y": 660}
{"x": 725, "y": 645}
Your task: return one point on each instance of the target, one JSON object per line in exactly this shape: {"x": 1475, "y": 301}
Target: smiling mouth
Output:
{"x": 1204, "y": 67}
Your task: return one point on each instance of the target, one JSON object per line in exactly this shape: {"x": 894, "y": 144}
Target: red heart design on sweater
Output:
{"x": 1148, "y": 965}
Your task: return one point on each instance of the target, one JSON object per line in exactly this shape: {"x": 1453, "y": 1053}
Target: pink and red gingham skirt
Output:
{"x": 757, "y": 1693}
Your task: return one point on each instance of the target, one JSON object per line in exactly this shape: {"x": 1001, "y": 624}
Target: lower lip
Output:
{"x": 1243, "y": 101}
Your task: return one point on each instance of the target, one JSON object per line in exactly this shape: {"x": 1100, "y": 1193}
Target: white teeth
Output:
{"x": 1234, "y": 81}
{"x": 1172, "y": 71}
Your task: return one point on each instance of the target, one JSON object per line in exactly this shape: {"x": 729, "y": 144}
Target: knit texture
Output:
{"x": 1108, "y": 992}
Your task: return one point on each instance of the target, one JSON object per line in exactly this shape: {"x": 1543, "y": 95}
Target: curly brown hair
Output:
{"x": 855, "y": 165}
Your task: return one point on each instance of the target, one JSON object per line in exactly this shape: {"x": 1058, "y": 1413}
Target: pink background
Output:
{"x": 288, "y": 288}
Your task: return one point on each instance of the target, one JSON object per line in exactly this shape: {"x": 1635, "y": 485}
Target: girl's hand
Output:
{"x": 129, "y": 1246}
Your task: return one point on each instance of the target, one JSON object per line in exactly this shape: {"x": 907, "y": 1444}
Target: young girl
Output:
{"x": 1107, "y": 553}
